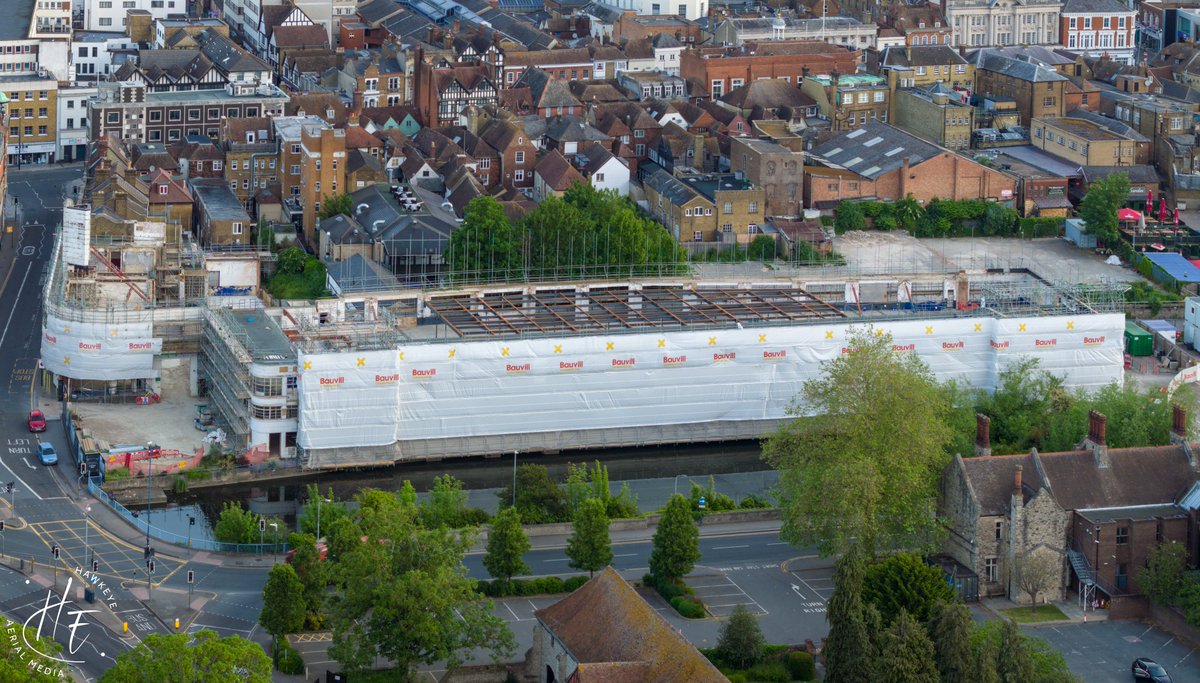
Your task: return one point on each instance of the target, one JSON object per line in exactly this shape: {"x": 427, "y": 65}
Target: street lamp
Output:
{"x": 275, "y": 547}
{"x": 514, "y": 496}
{"x": 677, "y": 476}
{"x": 149, "y": 476}
{"x": 87, "y": 522}
{"x": 320, "y": 499}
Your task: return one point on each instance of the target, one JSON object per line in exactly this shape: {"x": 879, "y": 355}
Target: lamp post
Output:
{"x": 320, "y": 499}
{"x": 275, "y": 546}
{"x": 87, "y": 522}
{"x": 149, "y": 477}
{"x": 677, "y": 476}
{"x": 514, "y": 496}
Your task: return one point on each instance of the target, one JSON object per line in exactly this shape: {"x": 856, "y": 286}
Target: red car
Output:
{"x": 37, "y": 421}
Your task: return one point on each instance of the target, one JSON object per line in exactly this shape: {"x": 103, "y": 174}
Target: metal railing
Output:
{"x": 178, "y": 539}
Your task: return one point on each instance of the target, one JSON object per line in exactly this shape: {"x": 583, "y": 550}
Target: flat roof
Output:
{"x": 1133, "y": 512}
{"x": 261, "y": 334}
{"x": 601, "y": 309}
{"x": 1176, "y": 266}
{"x": 1080, "y": 128}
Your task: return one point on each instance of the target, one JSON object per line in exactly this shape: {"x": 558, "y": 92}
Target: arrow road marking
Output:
{"x": 797, "y": 589}
{"x": 26, "y": 461}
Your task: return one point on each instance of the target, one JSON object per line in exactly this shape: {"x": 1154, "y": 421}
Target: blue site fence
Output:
{"x": 179, "y": 539}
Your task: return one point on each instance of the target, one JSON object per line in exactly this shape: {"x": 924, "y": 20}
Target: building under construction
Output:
{"x": 411, "y": 376}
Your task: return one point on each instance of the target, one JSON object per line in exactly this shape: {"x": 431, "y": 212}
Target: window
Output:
{"x": 394, "y": 83}
{"x": 990, "y": 573}
{"x": 106, "y": 21}
{"x": 728, "y": 207}
{"x": 697, "y": 236}
{"x": 752, "y": 229}
{"x": 193, "y": 115}
{"x": 372, "y": 83}
{"x": 1158, "y": 531}
{"x": 42, "y": 113}
{"x": 155, "y": 136}
{"x": 520, "y": 157}
{"x": 639, "y": 150}
{"x": 70, "y": 123}
{"x": 1048, "y": 102}
{"x": 656, "y": 8}
{"x": 28, "y": 130}
{"x": 41, "y": 130}
{"x": 217, "y": 165}
{"x": 162, "y": 189}
{"x": 727, "y": 227}
{"x": 1122, "y": 535}
{"x": 295, "y": 149}
{"x": 246, "y": 184}
{"x": 174, "y": 115}
{"x": 172, "y": 135}
{"x": 736, "y": 82}
{"x": 708, "y": 212}
{"x": 1122, "y": 575}
{"x": 246, "y": 165}
{"x": 682, "y": 11}
{"x": 519, "y": 175}
{"x": 999, "y": 529}
{"x": 484, "y": 164}
{"x": 753, "y": 208}
{"x": 155, "y": 116}
{"x": 687, "y": 212}
{"x": 295, "y": 169}
{"x": 268, "y": 412}
{"x": 879, "y": 96}
{"x": 237, "y": 228}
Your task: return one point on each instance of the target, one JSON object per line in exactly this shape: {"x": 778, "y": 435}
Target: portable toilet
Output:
{"x": 1138, "y": 341}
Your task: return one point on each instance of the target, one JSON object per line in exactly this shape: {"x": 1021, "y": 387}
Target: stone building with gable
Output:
{"x": 1099, "y": 511}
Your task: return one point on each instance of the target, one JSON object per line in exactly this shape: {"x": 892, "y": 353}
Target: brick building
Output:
{"x": 1082, "y": 142}
{"x": 322, "y": 170}
{"x": 1037, "y": 90}
{"x": 849, "y": 100}
{"x": 883, "y": 162}
{"x": 774, "y": 168}
{"x": 1099, "y": 25}
{"x": 732, "y": 209}
{"x": 716, "y": 71}
{"x": 1100, "y": 512}
{"x": 936, "y": 114}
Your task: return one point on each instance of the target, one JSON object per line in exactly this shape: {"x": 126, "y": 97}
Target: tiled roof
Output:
{"x": 469, "y": 77}
{"x": 606, "y": 621}
{"x": 1135, "y": 476}
{"x": 557, "y": 172}
{"x": 992, "y": 480}
{"x": 768, "y": 93}
{"x": 547, "y": 57}
{"x": 357, "y": 137}
{"x": 921, "y": 55}
{"x": 874, "y": 149}
{"x": 301, "y": 36}
{"x": 1095, "y": 7}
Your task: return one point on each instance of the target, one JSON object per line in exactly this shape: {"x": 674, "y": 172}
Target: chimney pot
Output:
{"x": 1179, "y": 430}
{"x": 1017, "y": 480}
{"x": 1097, "y": 427}
{"x": 983, "y": 435}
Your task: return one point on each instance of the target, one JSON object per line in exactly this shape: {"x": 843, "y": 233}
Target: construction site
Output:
{"x": 484, "y": 371}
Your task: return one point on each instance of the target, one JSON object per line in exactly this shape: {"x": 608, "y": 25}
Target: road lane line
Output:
{"x": 561, "y": 559}
{"x": 18, "y": 298}
{"x": 626, "y": 555}
{"x": 780, "y": 543}
{"x": 730, "y": 547}
{"x": 18, "y": 478}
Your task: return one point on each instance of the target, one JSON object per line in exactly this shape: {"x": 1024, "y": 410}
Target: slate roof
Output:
{"x": 20, "y": 17}
{"x": 218, "y": 200}
{"x": 557, "y": 172}
{"x": 1136, "y": 476}
{"x": 573, "y": 129}
{"x": 597, "y": 91}
{"x": 671, "y": 188}
{"x": 605, "y": 621}
{"x": 874, "y": 149}
{"x": 378, "y": 10}
{"x": 1095, "y": 7}
{"x": 769, "y": 93}
{"x": 545, "y": 90}
{"x": 921, "y": 55}
{"x": 301, "y": 36}
{"x": 992, "y": 478}
{"x": 1110, "y": 124}
{"x": 1016, "y": 68}
{"x": 227, "y": 56}
{"x": 575, "y": 55}
{"x": 1138, "y": 173}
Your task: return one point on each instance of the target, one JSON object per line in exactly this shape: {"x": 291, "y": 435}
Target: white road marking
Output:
{"x": 730, "y": 547}
{"x": 561, "y": 559}
{"x": 18, "y": 478}
{"x": 779, "y": 543}
{"x": 14, "y": 308}
{"x": 26, "y": 461}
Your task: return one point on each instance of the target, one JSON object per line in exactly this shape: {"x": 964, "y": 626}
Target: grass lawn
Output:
{"x": 1024, "y": 615}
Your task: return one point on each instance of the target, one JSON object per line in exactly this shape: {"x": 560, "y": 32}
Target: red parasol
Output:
{"x": 1128, "y": 216}
{"x": 1177, "y": 215}
{"x": 1149, "y": 199}
{"x": 1162, "y": 209}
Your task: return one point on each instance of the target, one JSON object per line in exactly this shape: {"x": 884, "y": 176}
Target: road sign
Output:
{"x": 702, "y": 502}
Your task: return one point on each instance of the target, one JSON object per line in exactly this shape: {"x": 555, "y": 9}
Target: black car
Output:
{"x": 1148, "y": 670}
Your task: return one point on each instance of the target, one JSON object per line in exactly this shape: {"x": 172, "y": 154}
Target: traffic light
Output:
{"x": 95, "y": 566}
{"x": 191, "y": 521}
{"x": 262, "y": 524}
{"x": 191, "y": 576}
{"x": 1, "y": 525}
{"x": 8, "y": 487}
{"x": 150, "y": 565}
{"x": 54, "y": 551}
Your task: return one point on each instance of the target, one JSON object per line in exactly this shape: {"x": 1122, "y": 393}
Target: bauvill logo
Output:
{"x": 954, "y": 345}
{"x": 140, "y": 346}
{"x": 774, "y": 355}
{"x": 570, "y": 365}
{"x": 517, "y": 368}
{"x": 904, "y": 348}
{"x": 424, "y": 374}
{"x": 331, "y": 381}
{"x": 85, "y": 346}
{"x": 1045, "y": 342}
{"x": 50, "y": 338}
{"x": 1000, "y": 345}
{"x": 674, "y": 361}
{"x": 387, "y": 379}
{"x": 1093, "y": 341}
{"x": 724, "y": 357}
{"x": 624, "y": 362}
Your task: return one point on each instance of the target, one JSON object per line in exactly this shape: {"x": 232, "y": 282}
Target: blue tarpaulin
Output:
{"x": 1175, "y": 266}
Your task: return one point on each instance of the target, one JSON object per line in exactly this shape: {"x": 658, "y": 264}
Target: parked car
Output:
{"x": 37, "y": 421}
{"x": 1145, "y": 669}
{"x": 47, "y": 454}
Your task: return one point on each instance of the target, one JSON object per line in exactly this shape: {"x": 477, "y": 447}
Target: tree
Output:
{"x": 740, "y": 642}
{"x": 1035, "y": 572}
{"x": 446, "y": 504}
{"x": 985, "y": 662}
{"x": 1100, "y": 205}
{"x": 312, "y": 572}
{"x": 1162, "y": 579}
{"x": 907, "y": 653}
{"x": 485, "y": 246}
{"x": 337, "y": 204}
{"x": 950, "y": 630}
{"x": 319, "y": 511}
{"x": 291, "y": 260}
{"x": 236, "y": 525}
{"x": 403, "y": 593}
{"x": 201, "y": 657}
{"x": 506, "y": 546}
{"x": 676, "y": 541}
{"x": 1013, "y": 662}
{"x": 867, "y": 468}
{"x": 849, "y": 216}
{"x": 539, "y": 499}
{"x": 762, "y": 248}
{"x": 848, "y": 647}
{"x": 283, "y": 607}
{"x": 903, "y": 582}
{"x": 589, "y": 546}
{"x": 16, "y": 662}
{"x": 997, "y": 219}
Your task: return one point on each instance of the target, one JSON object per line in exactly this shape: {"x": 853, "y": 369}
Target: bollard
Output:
{"x": 176, "y": 623}
{"x": 124, "y": 627}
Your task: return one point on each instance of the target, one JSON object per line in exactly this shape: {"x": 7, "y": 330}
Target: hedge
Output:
{"x": 942, "y": 218}
{"x": 546, "y": 585}
{"x": 290, "y": 662}
{"x": 688, "y": 607}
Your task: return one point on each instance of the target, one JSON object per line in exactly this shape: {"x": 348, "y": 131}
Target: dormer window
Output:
{"x": 162, "y": 189}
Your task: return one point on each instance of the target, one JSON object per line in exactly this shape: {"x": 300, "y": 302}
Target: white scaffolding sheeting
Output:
{"x": 482, "y": 388}
{"x": 100, "y": 351}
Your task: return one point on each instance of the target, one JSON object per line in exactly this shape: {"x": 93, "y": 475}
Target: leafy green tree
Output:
{"x": 292, "y": 260}
{"x": 740, "y": 641}
{"x": 848, "y": 649}
{"x": 506, "y": 546}
{"x": 950, "y": 630}
{"x": 403, "y": 594}
{"x": 1100, "y": 205}
{"x": 16, "y": 660}
{"x": 299, "y": 276}
{"x": 337, "y": 204}
{"x": 201, "y": 657}
{"x": 312, "y": 573}
{"x": 903, "y": 582}
{"x": 485, "y": 245}
{"x": 1163, "y": 578}
{"x": 908, "y": 653}
{"x": 676, "y": 541}
{"x": 236, "y": 525}
{"x": 984, "y": 662}
{"x": 562, "y": 240}
{"x": 907, "y": 212}
{"x": 848, "y": 216}
{"x": 446, "y": 504}
{"x": 998, "y": 219}
{"x": 342, "y": 537}
{"x": 1034, "y": 573}
{"x": 583, "y": 483}
{"x": 325, "y": 511}
{"x": 283, "y": 607}
{"x": 762, "y": 248}
{"x": 539, "y": 499}
{"x": 867, "y": 468}
{"x": 1013, "y": 662}
{"x": 589, "y": 546}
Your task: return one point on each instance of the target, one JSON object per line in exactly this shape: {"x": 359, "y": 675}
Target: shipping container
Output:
{"x": 1138, "y": 342}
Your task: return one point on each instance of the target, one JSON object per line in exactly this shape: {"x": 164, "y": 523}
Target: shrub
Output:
{"x": 688, "y": 608}
{"x": 801, "y": 666}
{"x": 547, "y": 585}
{"x": 290, "y": 662}
{"x": 117, "y": 474}
{"x": 572, "y": 584}
{"x": 753, "y": 502}
{"x": 770, "y": 672}
{"x": 648, "y": 580}
{"x": 474, "y": 517}
{"x": 669, "y": 590}
{"x": 738, "y": 677}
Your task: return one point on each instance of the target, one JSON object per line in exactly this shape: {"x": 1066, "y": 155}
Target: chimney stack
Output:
{"x": 1017, "y": 481}
{"x": 1179, "y": 430}
{"x": 983, "y": 435}
{"x": 1096, "y": 440}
